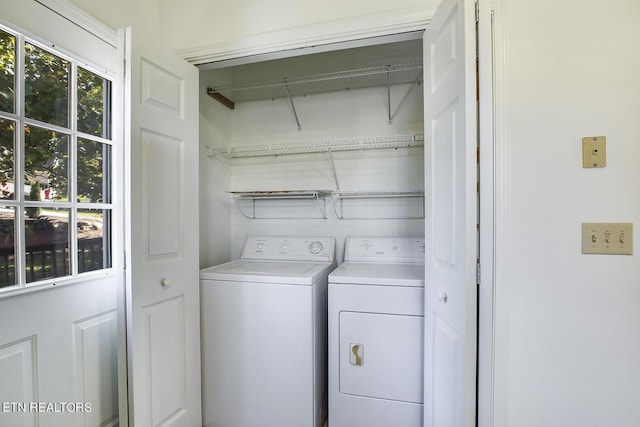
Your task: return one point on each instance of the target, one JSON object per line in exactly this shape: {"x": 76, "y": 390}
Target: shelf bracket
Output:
{"x": 221, "y": 98}
{"x": 295, "y": 114}
{"x": 333, "y": 169}
{"x": 389, "y": 91}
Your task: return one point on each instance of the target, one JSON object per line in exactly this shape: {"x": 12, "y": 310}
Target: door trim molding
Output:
{"x": 295, "y": 41}
{"x": 491, "y": 350}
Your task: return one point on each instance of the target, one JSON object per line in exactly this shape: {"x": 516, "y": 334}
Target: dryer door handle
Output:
{"x": 356, "y": 354}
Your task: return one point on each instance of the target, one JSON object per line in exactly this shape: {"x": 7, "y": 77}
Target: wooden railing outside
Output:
{"x": 51, "y": 260}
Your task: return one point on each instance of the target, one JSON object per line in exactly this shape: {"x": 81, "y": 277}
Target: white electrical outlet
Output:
{"x": 613, "y": 238}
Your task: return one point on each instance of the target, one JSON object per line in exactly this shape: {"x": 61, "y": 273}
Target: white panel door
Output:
{"x": 451, "y": 215}
{"x": 162, "y": 263}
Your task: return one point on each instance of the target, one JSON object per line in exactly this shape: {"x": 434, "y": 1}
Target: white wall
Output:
{"x": 568, "y": 325}
{"x": 215, "y": 178}
{"x": 283, "y": 22}
{"x": 142, "y": 15}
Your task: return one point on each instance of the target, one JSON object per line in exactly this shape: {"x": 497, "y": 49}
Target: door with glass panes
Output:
{"x": 60, "y": 212}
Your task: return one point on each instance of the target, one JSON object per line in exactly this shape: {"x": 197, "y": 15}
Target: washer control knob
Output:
{"x": 260, "y": 245}
{"x": 315, "y": 247}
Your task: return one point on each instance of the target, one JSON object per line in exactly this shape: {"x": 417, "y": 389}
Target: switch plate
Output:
{"x": 614, "y": 238}
{"x": 594, "y": 152}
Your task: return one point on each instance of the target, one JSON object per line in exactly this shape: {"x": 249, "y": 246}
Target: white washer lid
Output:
{"x": 285, "y": 272}
{"x": 390, "y": 274}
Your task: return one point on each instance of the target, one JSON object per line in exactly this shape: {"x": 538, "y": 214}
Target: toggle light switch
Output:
{"x": 607, "y": 238}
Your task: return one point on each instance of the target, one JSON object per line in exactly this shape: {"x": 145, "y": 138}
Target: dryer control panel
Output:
{"x": 384, "y": 249}
{"x": 288, "y": 248}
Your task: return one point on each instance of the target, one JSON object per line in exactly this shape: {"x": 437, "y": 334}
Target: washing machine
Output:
{"x": 264, "y": 334}
{"x": 376, "y": 323}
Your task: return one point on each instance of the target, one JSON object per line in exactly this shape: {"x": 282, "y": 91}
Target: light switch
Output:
{"x": 594, "y": 152}
{"x": 615, "y": 238}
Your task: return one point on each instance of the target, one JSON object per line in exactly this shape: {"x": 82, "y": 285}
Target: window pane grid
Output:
{"x": 94, "y": 138}
{"x": 48, "y": 126}
{"x": 52, "y": 141}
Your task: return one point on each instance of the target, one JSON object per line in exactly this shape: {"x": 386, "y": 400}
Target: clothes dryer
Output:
{"x": 376, "y": 318}
{"x": 264, "y": 334}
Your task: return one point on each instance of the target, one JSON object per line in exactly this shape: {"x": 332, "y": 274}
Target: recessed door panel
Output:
{"x": 444, "y": 183}
{"x": 95, "y": 350}
{"x": 443, "y": 51}
{"x": 166, "y": 370}
{"x": 18, "y": 374}
{"x": 444, "y": 369}
{"x": 162, "y": 179}
{"x": 161, "y": 89}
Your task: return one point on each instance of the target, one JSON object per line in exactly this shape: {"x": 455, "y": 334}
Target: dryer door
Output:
{"x": 381, "y": 356}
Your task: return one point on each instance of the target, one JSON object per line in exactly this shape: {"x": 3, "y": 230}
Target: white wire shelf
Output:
{"x": 281, "y": 194}
{"x": 376, "y": 194}
{"x": 396, "y": 205}
{"x": 254, "y": 204}
{"x": 322, "y": 146}
{"x": 386, "y": 75}
{"x": 378, "y": 204}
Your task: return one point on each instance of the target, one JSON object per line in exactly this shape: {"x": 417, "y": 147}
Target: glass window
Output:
{"x": 46, "y": 158}
{"x": 94, "y": 99}
{"x": 7, "y": 158}
{"x": 7, "y": 246}
{"x": 46, "y": 81}
{"x": 47, "y": 244}
{"x": 55, "y": 175}
{"x": 93, "y": 172}
{"x": 94, "y": 239}
{"x": 7, "y": 71}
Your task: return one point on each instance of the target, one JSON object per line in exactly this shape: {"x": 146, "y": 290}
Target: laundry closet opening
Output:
{"x": 325, "y": 143}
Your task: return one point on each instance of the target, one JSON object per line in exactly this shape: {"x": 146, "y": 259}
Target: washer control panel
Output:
{"x": 289, "y": 248}
{"x": 384, "y": 249}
